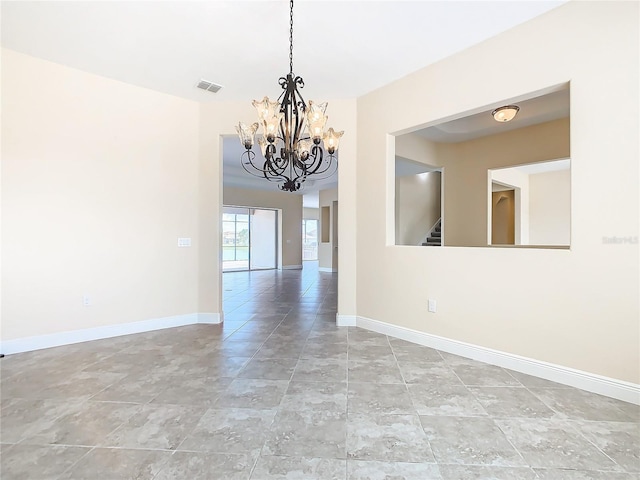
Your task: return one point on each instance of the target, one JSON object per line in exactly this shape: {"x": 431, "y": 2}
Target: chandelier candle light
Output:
{"x": 293, "y": 135}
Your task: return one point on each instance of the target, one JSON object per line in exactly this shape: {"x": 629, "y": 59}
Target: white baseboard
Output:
{"x": 291, "y": 267}
{"x": 327, "y": 269}
{"x": 610, "y": 387}
{"x": 39, "y": 342}
{"x": 210, "y": 318}
{"x": 346, "y": 320}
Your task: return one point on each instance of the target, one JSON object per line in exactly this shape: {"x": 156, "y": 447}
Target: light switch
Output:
{"x": 432, "y": 305}
{"x": 184, "y": 242}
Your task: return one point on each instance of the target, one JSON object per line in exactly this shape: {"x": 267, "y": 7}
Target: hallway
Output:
{"x": 279, "y": 391}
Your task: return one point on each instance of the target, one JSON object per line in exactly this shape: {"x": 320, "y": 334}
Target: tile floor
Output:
{"x": 279, "y": 391}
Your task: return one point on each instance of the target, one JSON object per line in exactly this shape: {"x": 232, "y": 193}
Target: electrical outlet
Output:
{"x": 86, "y": 300}
{"x": 432, "y": 305}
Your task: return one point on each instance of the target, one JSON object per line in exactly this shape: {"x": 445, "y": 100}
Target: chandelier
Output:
{"x": 293, "y": 135}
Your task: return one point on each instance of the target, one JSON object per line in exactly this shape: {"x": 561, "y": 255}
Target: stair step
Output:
{"x": 433, "y": 240}
{"x": 432, "y": 244}
{"x": 437, "y": 233}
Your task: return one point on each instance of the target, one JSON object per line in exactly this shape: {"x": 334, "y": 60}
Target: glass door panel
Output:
{"x": 249, "y": 238}
{"x": 263, "y": 239}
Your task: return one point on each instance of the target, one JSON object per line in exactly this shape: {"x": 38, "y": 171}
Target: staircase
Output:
{"x": 435, "y": 236}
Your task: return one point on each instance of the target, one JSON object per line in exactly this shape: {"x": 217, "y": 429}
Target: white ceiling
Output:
{"x": 535, "y": 108}
{"x": 342, "y": 49}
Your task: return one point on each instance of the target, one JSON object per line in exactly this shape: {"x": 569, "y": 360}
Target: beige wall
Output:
{"x": 99, "y": 179}
{"x": 327, "y": 251}
{"x": 417, "y": 207}
{"x": 550, "y": 208}
{"x": 568, "y": 307}
{"x": 291, "y": 208}
{"x": 310, "y": 213}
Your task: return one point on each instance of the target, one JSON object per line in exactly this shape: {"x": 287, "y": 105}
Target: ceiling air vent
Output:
{"x": 209, "y": 86}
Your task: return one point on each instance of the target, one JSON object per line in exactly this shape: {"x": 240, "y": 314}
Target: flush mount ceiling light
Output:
{"x": 506, "y": 113}
{"x": 293, "y": 135}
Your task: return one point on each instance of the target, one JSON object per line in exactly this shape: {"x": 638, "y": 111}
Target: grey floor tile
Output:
{"x": 269, "y": 368}
{"x": 252, "y": 393}
{"x": 281, "y": 350}
{"x": 54, "y": 384}
{"x": 570, "y": 474}
{"x": 233, "y": 430}
{"x": 470, "y": 440}
{"x": 207, "y": 466}
{"x": 396, "y": 438}
{"x": 548, "y": 443}
{"x": 30, "y": 462}
{"x": 360, "y": 335}
{"x": 475, "y": 472}
{"x": 372, "y": 470}
{"x": 484, "y": 375}
{"x": 121, "y": 464}
{"x": 239, "y": 348}
{"x": 198, "y": 391}
{"x": 155, "y": 426}
{"x": 303, "y": 433}
{"x": 416, "y": 354}
{"x": 580, "y": 405}
{"x": 219, "y": 366}
{"x": 379, "y": 398}
{"x": 440, "y": 399}
{"x": 619, "y": 441}
{"x": 320, "y": 370}
{"x": 326, "y": 396}
{"x": 530, "y": 381}
{"x": 374, "y": 371}
{"x": 88, "y": 425}
{"x": 139, "y": 387}
{"x": 327, "y": 334}
{"x": 364, "y": 351}
{"x": 428, "y": 373}
{"x": 511, "y": 402}
{"x": 319, "y": 349}
{"x": 25, "y": 417}
{"x": 299, "y": 468}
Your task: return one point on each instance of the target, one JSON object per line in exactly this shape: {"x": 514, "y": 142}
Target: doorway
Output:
{"x": 503, "y": 217}
{"x": 249, "y": 238}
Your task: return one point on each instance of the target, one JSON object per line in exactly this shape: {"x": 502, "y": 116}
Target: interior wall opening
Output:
{"x": 448, "y": 175}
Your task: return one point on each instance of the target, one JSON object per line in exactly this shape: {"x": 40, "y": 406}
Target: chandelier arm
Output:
{"x": 249, "y": 156}
{"x": 272, "y": 166}
{"x": 258, "y": 172}
{"x": 330, "y": 165}
{"x": 317, "y": 153}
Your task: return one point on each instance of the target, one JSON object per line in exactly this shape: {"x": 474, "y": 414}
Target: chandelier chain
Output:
{"x": 291, "y": 37}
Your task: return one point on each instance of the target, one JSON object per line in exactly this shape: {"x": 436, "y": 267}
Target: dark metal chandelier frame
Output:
{"x": 293, "y": 135}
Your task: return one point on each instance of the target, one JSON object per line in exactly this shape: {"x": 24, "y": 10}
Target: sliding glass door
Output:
{"x": 249, "y": 238}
